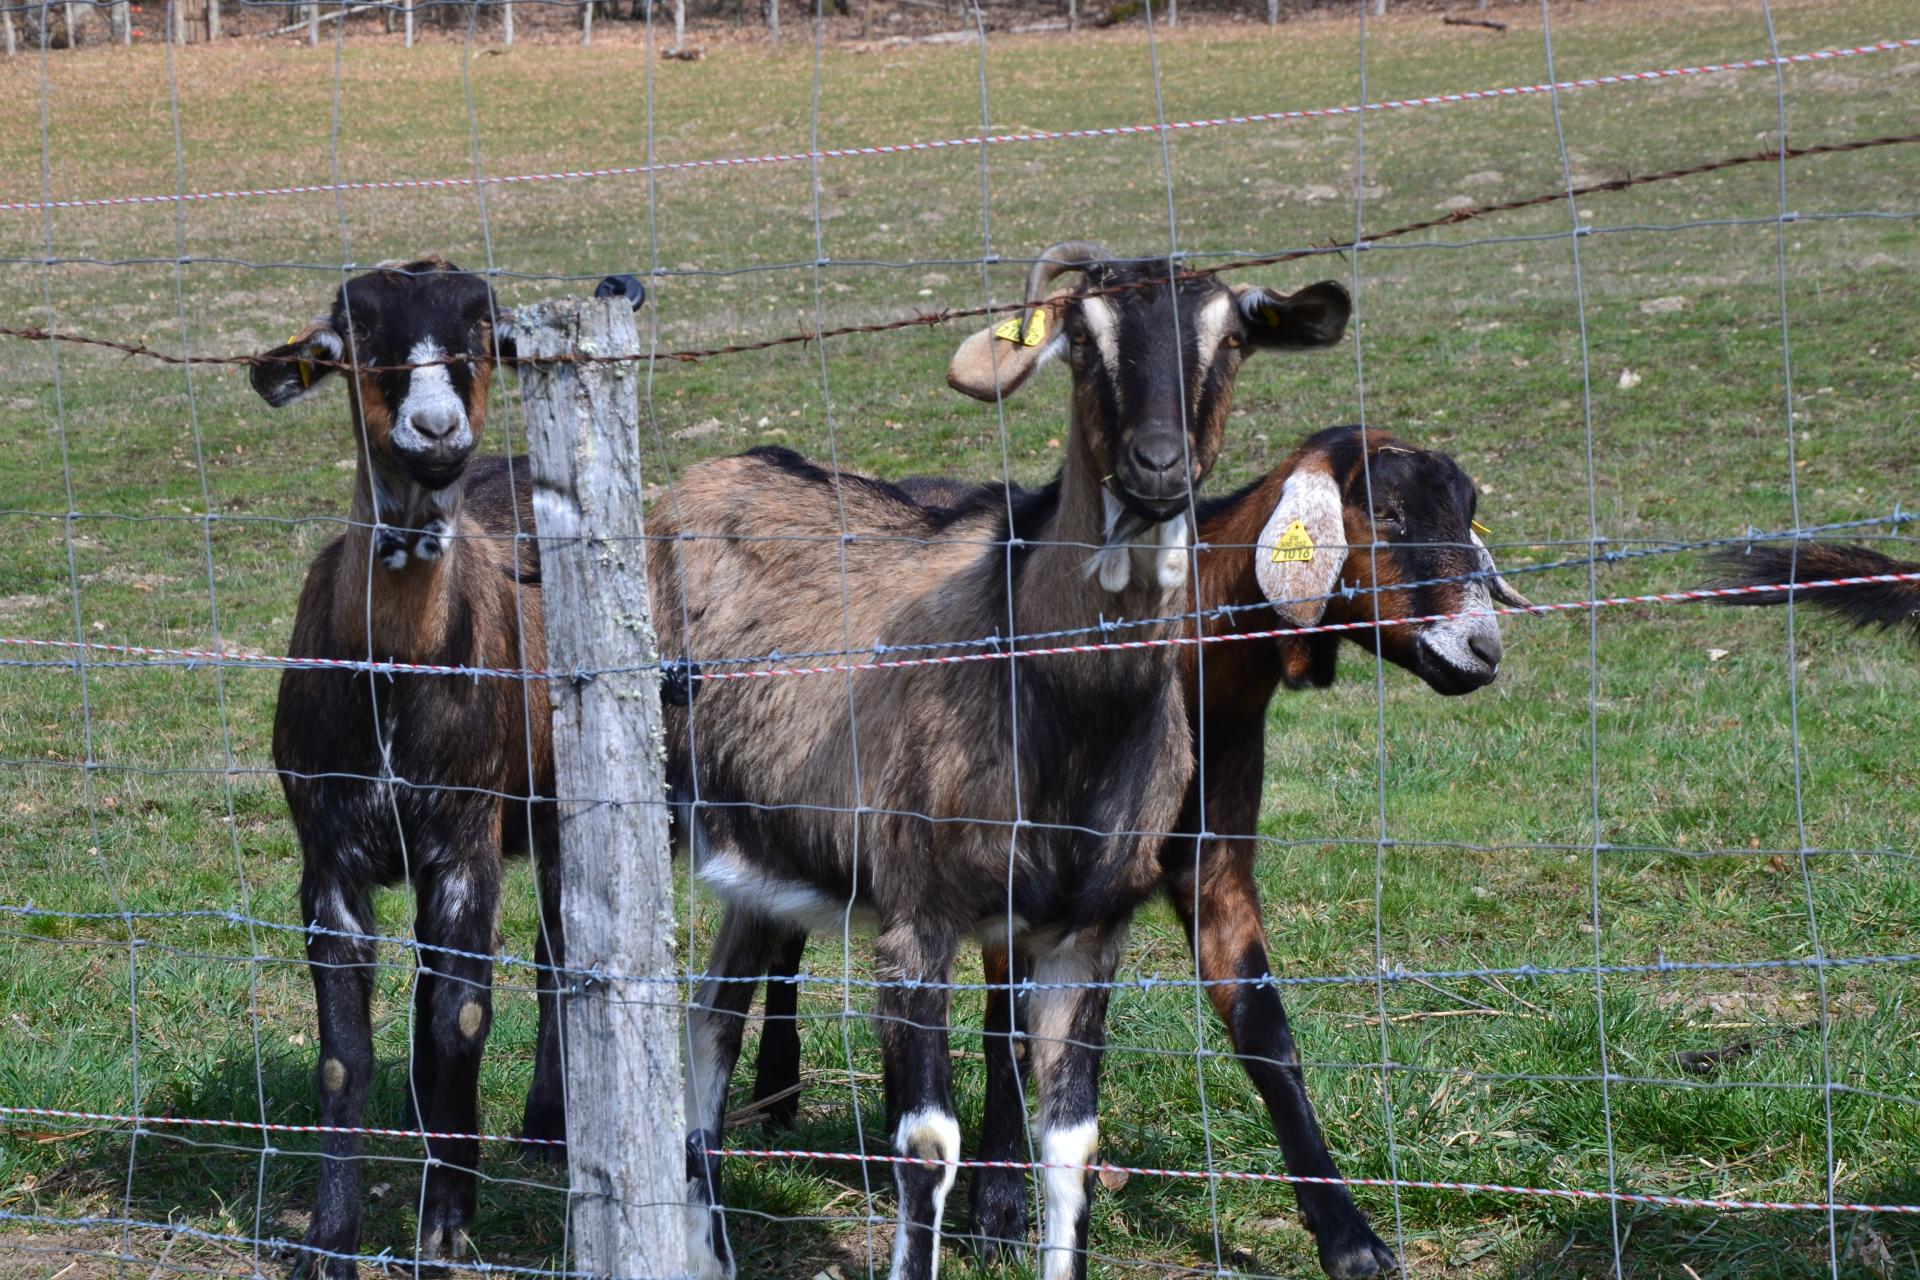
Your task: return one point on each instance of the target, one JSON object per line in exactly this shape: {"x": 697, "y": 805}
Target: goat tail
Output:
{"x": 1882, "y": 604}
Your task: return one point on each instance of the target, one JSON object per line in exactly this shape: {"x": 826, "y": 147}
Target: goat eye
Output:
{"x": 1233, "y": 340}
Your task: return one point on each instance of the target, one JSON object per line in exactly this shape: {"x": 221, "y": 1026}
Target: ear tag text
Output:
{"x": 1295, "y": 546}
{"x": 1036, "y": 330}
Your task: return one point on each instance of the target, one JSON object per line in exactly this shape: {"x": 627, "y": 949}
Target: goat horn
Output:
{"x": 1055, "y": 261}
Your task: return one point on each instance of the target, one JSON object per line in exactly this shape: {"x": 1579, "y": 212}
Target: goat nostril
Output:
{"x": 1156, "y": 455}
{"x": 1486, "y": 648}
{"x": 434, "y": 426}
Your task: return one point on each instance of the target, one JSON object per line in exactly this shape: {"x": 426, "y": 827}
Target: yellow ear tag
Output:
{"x": 1478, "y": 527}
{"x": 301, "y": 367}
{"x": 1036, "y": 330}
{"x": 1295, "y": 546}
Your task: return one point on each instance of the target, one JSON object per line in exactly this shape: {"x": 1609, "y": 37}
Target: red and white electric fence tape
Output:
{"x": 1224, "y": 1175}
{"x": 976, "y": 140}
{"x": 277, "y": 662}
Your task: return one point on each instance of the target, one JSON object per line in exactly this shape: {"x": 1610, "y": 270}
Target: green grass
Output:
{"x": 1473, "y": 350}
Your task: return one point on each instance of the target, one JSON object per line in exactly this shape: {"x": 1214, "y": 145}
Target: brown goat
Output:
{"x": 939, "y": 801}
{"x": 415, "y": 778}
{"x": 1352, "y": 485}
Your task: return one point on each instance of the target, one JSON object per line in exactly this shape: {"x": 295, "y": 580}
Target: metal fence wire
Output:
{"x": 157, "y": 1103}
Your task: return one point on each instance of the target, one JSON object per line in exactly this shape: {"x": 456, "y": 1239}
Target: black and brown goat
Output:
{"x": 1343, "y": 488}
{"x": 938, "y": 803}
{"x": 415, "y": 779}
{"x": 1867, "y": 604}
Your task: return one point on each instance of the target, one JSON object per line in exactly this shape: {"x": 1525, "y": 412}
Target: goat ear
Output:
{"x": 995, "y": 362}
{"x": 1309, "y": 662}
{"x": 288, "y": 371}
{"x": 1499, "y": 587}
{"x": 506, "y": 334}
{"x": 1298, "y": 559}
{"x": 1314, "y": 317}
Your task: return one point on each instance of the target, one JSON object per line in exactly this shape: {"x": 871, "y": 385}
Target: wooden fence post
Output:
{"x": 586, "y": 24}
{"x": 625, "y": 1130}
{"x": 213, "y": 20}
{"x": 6, "y": 29}
{"x": 406, "y": 12}
{"x": 506, "y": 24}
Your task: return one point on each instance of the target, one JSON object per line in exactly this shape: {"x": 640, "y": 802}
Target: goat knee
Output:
{"x": 462, "y": 1016}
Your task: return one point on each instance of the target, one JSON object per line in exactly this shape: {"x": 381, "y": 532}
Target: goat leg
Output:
{"x": 1067, "y": 1033}
{"x": 777, "y": 1068}
{"x": 1232, "y": 955}
{"x": 997, "y": 1208}
{"x": 341, "y": 960}
{"x": 913, "y": 1012}
{"x": 741, "y": 949}
{"x": 545, "y": 1116}
{"x": 459, "y": 893}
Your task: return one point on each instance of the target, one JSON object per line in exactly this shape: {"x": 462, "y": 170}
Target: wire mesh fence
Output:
{"x": 1598, "y": 969}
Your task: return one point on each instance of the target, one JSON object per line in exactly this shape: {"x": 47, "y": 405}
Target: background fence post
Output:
{"x": 6, "y": 30}
{"x": 625, "y": 1133}
{"x": 506, "y": 25}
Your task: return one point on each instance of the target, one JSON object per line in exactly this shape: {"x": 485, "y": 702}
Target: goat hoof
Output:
{"x": 997, "y": 1218}
{"x": 1355, "y": 1253}
{"x": 314, "y": 1266}
{"x": 543, "y": 1133}
{"x": 443, "y": 1237}
{"x": 782, "y": 1116}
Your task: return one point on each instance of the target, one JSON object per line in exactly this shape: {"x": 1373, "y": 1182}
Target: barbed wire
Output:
{"x": 931, "y": 319}
{"x": 596, "y": 976}
{"x": 688, "y": 668}
{"x": 975, "y": 140}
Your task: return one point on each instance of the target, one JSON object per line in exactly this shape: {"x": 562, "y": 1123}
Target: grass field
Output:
{"x": 1670, "y": 739}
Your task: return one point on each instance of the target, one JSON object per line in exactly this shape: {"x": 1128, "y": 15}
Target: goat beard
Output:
{"x": 1127, "y": 530}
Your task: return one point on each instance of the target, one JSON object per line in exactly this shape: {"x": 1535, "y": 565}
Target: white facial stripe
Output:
{"x": 1100, "y": 320}
{"x": 430, "y": 395}
{"x": 1210, "y": 329}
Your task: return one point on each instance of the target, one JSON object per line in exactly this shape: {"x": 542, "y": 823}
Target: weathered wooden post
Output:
{"x": 313, "y": 25}
{"x": 1273, "y": 13}
{"x": 406, "y": 21}
{"x": 625, "y": 1129}
{"x": 586, "y": 24}
{"x": 506, "y": 24}
{"x": 6, "y": 31}
{"x": 213, "y": 20}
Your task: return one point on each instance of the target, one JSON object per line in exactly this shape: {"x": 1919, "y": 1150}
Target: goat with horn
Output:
{"x": 1355, "y": 526}
{"x": 942, "y": 804}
